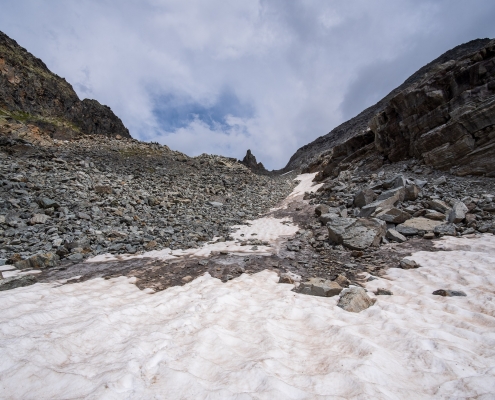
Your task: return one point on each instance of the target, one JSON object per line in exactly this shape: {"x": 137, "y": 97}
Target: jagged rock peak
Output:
{"x": 250, "y": 161}
{"x": 31, "y": 93}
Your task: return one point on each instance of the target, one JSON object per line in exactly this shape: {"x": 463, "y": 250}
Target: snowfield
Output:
{"x": 252, "y": 338}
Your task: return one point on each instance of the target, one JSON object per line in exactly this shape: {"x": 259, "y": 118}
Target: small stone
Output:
{"x": 435, "y": 215}
{"x": 215, "y": 204}
{"x": 429, "y": 235}
{"x": 394, "y": 216}
{"x": 354, "y": 300}
{"x": 321, "y": 209}
{"x": 151, "y": 245}
{"x": 448, "y": 293}
{"x": 342, "y": 281}
{"x": 187, "y": 279}
{"x": 408, "y": 264}
{"x": 364, "y": 197}
{"x": 289, "y": 277}
{"x": 45, "y": 202}
{"x": 411, "y": 192}
{"x": 83, "y": 215}
{"x": 383, "y": 292}
{"x": 38, "y": 219}
{"x": 103, "y": 189}
{"x": 438, "y": 205}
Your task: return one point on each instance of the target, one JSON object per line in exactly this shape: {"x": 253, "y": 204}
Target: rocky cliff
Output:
{"x": 458, "y": 87}
{"x": 30, "y": 92}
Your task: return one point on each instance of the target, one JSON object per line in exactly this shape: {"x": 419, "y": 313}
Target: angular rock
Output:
{"x": 392, "y": 234}
{"x": 82, "y": 215}
{"x": 405, "y": 263}
{"x": 364, "y": 197}
{"x": 356, "y": 234}
{"x": 445, "y": 230}
{"x": 458, "y": 213}
{"x": 17, "y": 281}
{"x": 289, "y": 277}
{"x": 39, "y": 219}
{"x": 382, "y": 205}
{"x": 406, "y": 230}
{"x": 327, "y": 217}
{"x": 411, "y": 192}
{"x": 438, "y": 205}
{"x": 320, "y": 287}
{"x": 420, "y": 223}
{"x": 398, "y": 192}
{"x": 396, "y": 182}
{"x": 342, "y": 281}
{"x": 45, "y": 202}
{"x": 39, "y": 261}
{"x": 354, "y": 300}
{"x": 104, "y": 189}
{"x": 394, "y": 216}
{"x": 435, "y": 215}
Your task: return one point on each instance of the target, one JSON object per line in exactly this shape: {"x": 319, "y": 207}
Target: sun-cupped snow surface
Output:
{"x": 266, "y": 229}
{"x": 251, "y": 338}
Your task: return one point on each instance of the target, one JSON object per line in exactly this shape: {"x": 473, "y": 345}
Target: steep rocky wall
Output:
{"x": 29, "y": 91}
{"x": 447, "y": 119}
{"x": 309, "y": 154}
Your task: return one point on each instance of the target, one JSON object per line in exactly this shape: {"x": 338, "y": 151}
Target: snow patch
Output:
{"x": 254, "y": 338}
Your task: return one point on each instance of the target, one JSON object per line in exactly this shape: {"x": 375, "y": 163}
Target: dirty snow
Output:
{"x": 254, "y": 338}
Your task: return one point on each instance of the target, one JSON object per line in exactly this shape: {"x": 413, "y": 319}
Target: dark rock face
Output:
{"x": 447, "y": 119}
{"x": 30, "y": 92}
{"x": 250, "y": 161}
{"x": 352, "y": 138}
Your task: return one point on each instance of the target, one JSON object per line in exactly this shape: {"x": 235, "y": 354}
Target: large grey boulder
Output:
{"x": 458, "y": 213}
{"x": 320, "y": 287}
{"x": 394, "y": 216}
{"x": 364, "y": 197}
{"x": 355, "y": 300}
{"x": 356, "y": 234}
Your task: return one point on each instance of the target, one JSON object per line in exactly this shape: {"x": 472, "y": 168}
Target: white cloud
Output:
{"x": 294, "y": 64}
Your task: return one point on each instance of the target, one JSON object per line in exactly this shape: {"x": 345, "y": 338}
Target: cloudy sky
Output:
{"x": 211, "y": 76}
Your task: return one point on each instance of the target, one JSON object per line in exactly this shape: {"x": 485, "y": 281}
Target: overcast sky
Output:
{"x": 211, "y": 76}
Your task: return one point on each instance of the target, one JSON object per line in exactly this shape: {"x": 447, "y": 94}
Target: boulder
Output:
{"x": 380, "y": 205}
{"x": 320, "y": 287}
{"x": 400, "y": 192}
{"x": 328, "y": 216}
{"x": 392, "y": 234}
{"x": 39, "y": 261}
{"x": 394, "y": 216}
{"x": 411, "y": 192}
{"x": 364, "y": 197}
{"x": 406, "y": 230}
{"x": 438, "y": 205}
{"x": 355, "y": 300}
{"x": 421, "y": 224}
{"x": 356, "y": 234}
{"x": 458, "y": 213}
{"x": 445, "y": 230}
